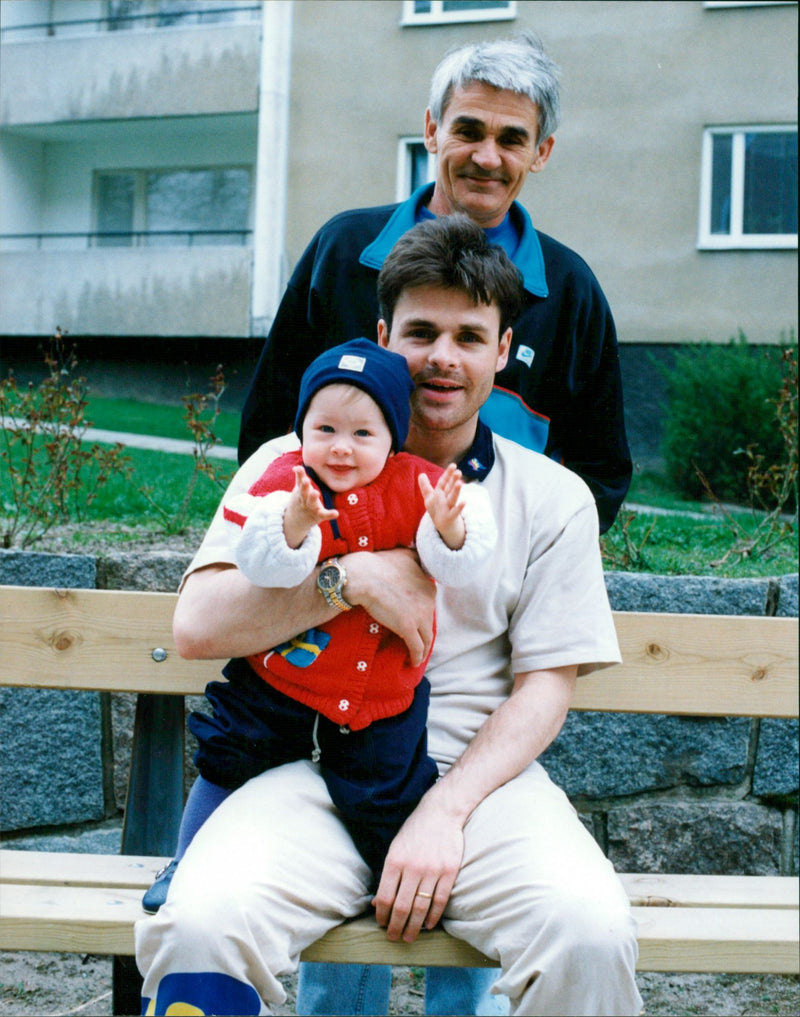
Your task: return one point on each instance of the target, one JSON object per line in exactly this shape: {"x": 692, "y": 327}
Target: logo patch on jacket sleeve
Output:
{"x": 526, "y": 355}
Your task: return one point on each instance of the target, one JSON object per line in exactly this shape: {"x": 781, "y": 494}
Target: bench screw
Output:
{"x": 159, "y": 654}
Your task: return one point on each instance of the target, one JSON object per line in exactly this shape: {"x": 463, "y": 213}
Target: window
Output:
{"x": 125, "y": 14}
{"x": 434, "y": 12}
{"x": 169, "y": 207}
{"x": 415, "y": 166}
{"x": 748, "y": 194}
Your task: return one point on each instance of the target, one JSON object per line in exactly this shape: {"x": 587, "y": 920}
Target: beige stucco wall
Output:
{"x": 640, "y": 82}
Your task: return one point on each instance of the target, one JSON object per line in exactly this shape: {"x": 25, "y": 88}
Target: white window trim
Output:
{"x": 403, "y": 175}
{"x": 437, "y": 16}
{"x": 736, "y": 239}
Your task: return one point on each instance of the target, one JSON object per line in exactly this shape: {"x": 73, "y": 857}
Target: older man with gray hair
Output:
{"x": 493, "y": 110}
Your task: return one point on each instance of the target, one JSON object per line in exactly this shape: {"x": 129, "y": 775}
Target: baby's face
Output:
{"x": 346, "y": 440}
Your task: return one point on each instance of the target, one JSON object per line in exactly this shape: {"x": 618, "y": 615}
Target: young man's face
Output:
{"x": 453, "y": 349}
{"x": 486, "y": 145}
{"x": 346, "y": 440}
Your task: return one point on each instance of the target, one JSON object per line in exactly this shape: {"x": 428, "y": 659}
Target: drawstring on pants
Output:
{"x": 317, "y": 751}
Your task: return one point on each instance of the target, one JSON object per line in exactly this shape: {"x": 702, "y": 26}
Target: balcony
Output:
{"x": 201, "y": 288}
{"x": 83, "y": 73}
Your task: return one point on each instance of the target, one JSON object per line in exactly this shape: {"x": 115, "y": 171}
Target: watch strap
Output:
{"x": 334, "y": 597}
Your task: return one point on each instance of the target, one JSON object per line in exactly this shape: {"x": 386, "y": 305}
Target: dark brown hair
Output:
{"x": 451, "y": 252}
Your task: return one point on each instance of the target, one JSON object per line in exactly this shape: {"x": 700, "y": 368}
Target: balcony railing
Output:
{"x": 145, "y": 238}
{"x": 162, "y": 19}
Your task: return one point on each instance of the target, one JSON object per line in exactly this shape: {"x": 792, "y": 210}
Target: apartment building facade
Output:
{"x": 163, "y": 163}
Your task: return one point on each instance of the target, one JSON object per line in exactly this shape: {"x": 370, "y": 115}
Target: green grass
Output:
{"x": 639, "y": 541}
{"x": 683, "y": 545}
{"x": 167, "y": 477}
{"x": 154, "y": 491}
{"x": 653, "y": 489}
{"x": 138, "y": 417}
{"x": 680, "y": 545}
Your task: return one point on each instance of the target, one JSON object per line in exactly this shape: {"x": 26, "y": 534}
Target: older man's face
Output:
{"x": 486, "y": 144}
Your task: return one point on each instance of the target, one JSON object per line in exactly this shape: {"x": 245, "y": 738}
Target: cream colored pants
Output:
{"x": 273, "y": 869}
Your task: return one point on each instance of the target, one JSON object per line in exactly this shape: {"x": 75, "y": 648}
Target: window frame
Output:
{"x": 437, "y": 16}
{"x": 140, "y": 174}
{"x": 735, "y": 239}
{"x": 403, "y": 176}
{"x": 151, "y": 14}
{"x": 721, "y": 4}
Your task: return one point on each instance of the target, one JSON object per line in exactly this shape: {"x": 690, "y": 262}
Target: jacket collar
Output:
{"x": 479, "y": 458}
{"x": 528, "y": 256}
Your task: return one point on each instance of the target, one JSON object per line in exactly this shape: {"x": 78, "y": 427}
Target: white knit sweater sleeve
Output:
{"x": 457, "y": 568}
{"x": 260, "y": 550}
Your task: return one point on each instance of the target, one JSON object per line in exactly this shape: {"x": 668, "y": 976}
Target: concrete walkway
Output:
{"x": 150, "y": 442}
{"x": 156, "y": 444}
{"x": 228, "y": 452}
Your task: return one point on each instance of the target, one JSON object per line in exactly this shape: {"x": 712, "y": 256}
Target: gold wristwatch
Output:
{"x": 331, "y": 581}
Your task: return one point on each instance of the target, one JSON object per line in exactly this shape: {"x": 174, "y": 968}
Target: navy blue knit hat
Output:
{"x": 381, "y": 374}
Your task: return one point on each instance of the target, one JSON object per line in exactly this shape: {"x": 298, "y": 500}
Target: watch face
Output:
{"x": 329, "y": 578}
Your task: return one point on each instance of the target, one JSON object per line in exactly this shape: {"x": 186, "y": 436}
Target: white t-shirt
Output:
{"x": 540, "y": 602}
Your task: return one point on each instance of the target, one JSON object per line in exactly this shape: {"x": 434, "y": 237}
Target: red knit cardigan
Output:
{"x": 364, "y": 672}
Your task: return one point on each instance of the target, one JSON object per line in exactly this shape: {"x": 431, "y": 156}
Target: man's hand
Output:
{"x": 391, "y": 586}
{"x": 425, "y": 856}
{"x": 420, "y": 870}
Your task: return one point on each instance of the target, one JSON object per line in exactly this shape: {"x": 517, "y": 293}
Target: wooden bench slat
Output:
{"x": 645, "y": 889}
{"x": 55, "y": 868}
{"x": 362, "y": 938}
{"x": 738, "y": 941}
{"x": 670, "y": 939}
{"x": 94, "y": 920}
{"x": 68, "y": 639}
{"x": 681, "y": 664}
{"x": 715, "y": 665}
{"x": 91, "y": 920}
{"x": 72, "y": 919}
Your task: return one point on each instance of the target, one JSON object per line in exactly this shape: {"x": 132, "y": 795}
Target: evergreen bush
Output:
{"x": 721, "y": 402}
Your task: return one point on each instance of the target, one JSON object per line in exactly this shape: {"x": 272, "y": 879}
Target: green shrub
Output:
{"x": 721, "y": 402}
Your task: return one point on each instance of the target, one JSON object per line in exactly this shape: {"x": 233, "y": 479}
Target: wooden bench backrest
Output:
{"x": 714, "y": 665}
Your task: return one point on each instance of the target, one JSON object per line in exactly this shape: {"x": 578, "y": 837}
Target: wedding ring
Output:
{"x": 426, "y": 895}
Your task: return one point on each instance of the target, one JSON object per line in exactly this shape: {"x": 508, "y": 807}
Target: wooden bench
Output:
{"x": 695, "y": 665}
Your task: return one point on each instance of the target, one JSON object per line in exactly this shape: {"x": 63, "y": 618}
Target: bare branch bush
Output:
{"x": 51, "y": 475}
{"x": 201, "y": 412}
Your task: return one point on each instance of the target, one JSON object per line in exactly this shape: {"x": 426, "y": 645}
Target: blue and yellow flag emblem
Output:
{"x": 303, "y": 650}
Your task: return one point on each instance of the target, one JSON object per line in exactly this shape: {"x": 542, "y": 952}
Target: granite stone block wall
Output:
{"x": 686, "y": 794}
{"x": 53, "y": 765}
{"x": 660, "y": 793}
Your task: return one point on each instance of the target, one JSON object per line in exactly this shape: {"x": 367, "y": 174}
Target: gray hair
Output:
{"x": 518, "y": 64}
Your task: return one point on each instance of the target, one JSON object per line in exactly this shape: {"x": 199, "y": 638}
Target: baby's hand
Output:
{"x": 443, "y": 505}
{"x": 305, "y": 509}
